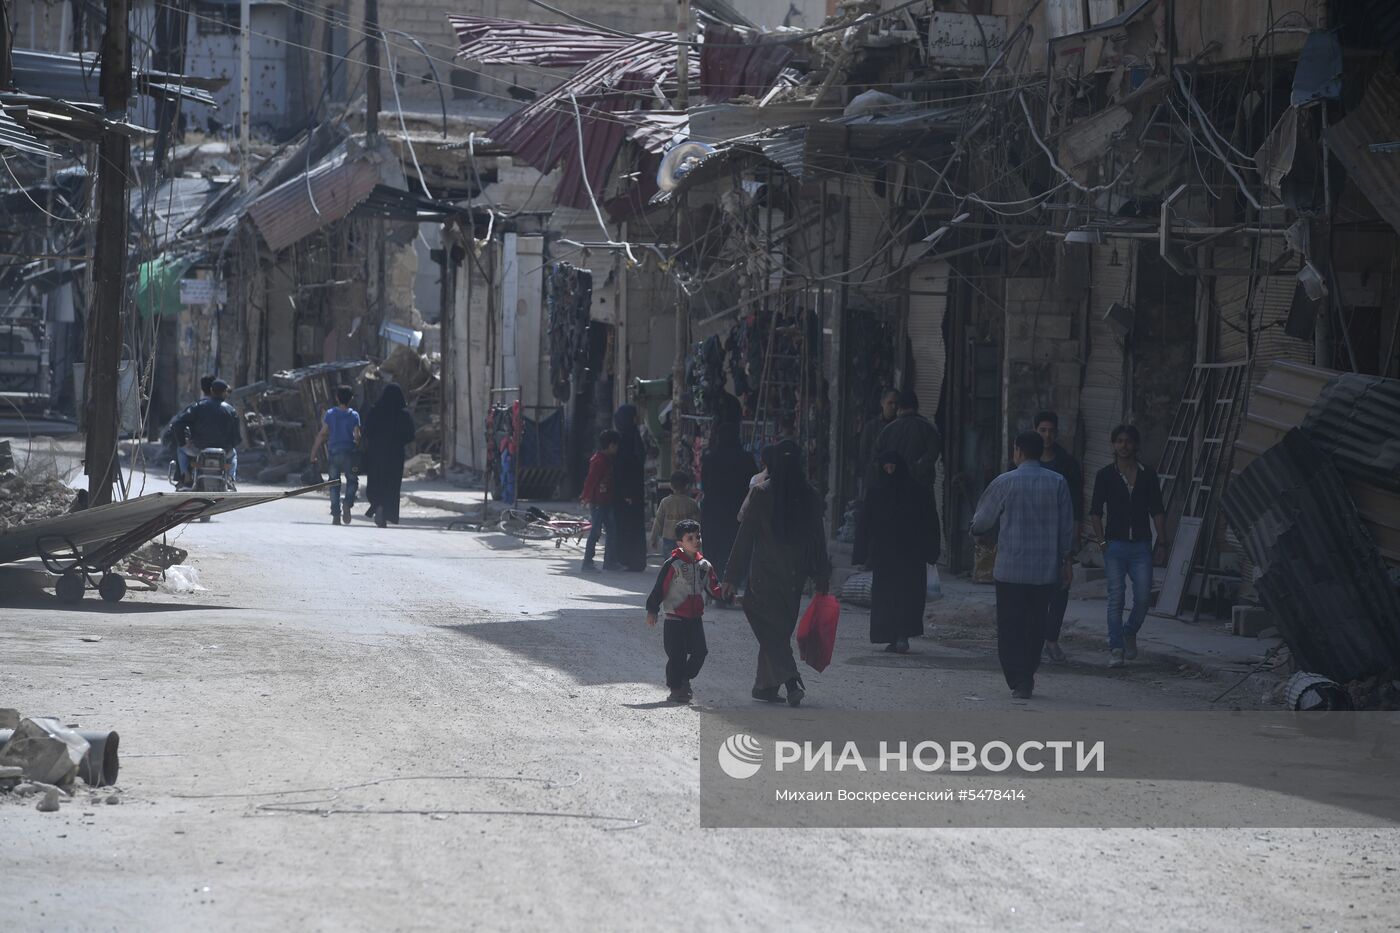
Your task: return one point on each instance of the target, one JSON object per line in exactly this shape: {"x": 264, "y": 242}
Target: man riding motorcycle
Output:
{"x": 210, "y": 422}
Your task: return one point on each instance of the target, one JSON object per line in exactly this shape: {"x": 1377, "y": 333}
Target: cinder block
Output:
{"x": 1249, "y": 621}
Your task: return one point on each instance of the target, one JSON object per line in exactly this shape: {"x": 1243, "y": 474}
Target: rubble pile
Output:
{"x": 41, "y": 757}
{"x": 31, "y": 498}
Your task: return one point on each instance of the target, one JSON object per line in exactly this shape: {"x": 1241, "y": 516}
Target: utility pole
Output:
{"x": 104, "y": 323}
{"x": 245, "y": 89}
{"x": 682, "y": 300}
{"x": 372, "y": 106}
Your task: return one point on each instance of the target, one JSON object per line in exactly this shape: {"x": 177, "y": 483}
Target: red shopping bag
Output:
{"x": 816, "y": 633}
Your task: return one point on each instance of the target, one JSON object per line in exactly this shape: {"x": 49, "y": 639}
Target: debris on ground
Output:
{"x": 424, "y": 465}
{"x": 31, "y": 498}
{"x": 43, "y": 757}
{"x": 46, "y": 751}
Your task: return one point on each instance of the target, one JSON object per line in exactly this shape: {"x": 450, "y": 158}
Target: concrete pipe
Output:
{"x": 99, "y": 766}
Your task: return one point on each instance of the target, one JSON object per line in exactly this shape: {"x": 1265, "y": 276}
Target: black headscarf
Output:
{"x": 391, "y": 399}
{"x": 794, "y": 500}
{"x": 724, "y": 436}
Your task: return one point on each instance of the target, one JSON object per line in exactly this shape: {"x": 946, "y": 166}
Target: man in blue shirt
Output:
{"x": 1031, "y": 511}
{"x": 340, "y": 434}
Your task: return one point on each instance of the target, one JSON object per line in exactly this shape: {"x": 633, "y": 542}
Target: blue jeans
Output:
{"x": 602, "y": 518}
{"x": 342, "y": 465}
{"x": 1127, "y": 560}
{"x": 182, "y": 458}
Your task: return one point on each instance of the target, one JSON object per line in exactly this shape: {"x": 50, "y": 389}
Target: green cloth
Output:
{"x": 158, "y": 285}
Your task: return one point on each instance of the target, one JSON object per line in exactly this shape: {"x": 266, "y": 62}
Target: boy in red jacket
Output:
{"x": 598, "y": 495}
{"x": 681, "y": 586}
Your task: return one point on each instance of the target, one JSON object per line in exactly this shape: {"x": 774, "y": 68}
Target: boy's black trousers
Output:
{"x": 685, "y": 649}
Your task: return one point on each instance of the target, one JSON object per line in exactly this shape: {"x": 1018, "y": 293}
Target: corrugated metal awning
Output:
{"x": 313, "y": 199}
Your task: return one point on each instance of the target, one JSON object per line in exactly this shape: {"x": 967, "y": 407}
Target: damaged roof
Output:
{"x": 325, "y": 193}
{"x": 1376, "y": 120}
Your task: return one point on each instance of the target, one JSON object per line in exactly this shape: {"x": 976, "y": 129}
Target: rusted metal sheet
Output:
{"x": 310, "y": 201}
{"x": 729, "y": 66}
{"x": 1321, "y": 576}
{"x": 614, "y": 76}
{"x": 1376, "y": 120}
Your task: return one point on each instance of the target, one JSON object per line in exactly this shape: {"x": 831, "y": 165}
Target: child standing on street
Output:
{"x": 598, "y": 495}
{"x": 680, "y": 589}
{"x": 340, "y": 435}
{"x": 675, "y": 508}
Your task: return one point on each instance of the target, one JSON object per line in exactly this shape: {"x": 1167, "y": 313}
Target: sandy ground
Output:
{"x": 526, "y": 774}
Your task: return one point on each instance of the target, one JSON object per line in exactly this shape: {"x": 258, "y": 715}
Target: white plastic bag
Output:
{"x": 933, "y": 584}
{"x": 182, "y": 578}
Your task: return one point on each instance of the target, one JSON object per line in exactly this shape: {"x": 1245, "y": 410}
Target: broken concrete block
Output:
{"x": 46, "y": 750}
{"x": 49, "y": 802}
{"x": 9, "y": 718}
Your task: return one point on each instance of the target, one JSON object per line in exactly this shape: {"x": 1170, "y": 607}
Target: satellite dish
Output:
{"x": 678, "y": 161}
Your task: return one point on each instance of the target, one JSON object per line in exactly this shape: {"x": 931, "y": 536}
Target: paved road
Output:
{"x": 525, "y": 773}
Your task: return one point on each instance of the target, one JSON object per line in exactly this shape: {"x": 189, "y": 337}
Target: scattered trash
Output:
{"x": 90, "y": 638}
{"x": 46, "y": 750}
{"x": 180, "y": 579}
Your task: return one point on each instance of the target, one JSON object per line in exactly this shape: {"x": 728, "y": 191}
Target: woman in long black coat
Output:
{"x": 725, "y": 471}
{"x": 897, "y": 537}
{"x": 627, "y": 547}
{"x": 782, "y": 545}
{"x": 388, "y": 427}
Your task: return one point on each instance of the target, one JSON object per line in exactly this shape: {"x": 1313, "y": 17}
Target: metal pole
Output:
{"x": 245, "y": 88}
{"x": 682, "y": 301}
{"x": 104, "y": 325}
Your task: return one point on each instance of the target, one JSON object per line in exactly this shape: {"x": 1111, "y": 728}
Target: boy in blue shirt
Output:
{"x": 340, "y": 434}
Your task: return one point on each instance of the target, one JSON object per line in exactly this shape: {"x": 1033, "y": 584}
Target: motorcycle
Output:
{"x": 209, "y": 470}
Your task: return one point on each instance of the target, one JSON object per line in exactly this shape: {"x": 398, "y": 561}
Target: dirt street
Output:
{"x": 488, "y": 726}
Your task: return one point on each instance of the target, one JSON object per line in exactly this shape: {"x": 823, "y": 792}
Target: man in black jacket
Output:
{"x": 211, "y": 422}
{"x": 1132, "y": 497}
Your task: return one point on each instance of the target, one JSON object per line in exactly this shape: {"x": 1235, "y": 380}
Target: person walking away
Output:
{"x": 914, "y": 438}
{"x": 1030, "y": 509}
{"x": 677, "y": 507}
{"x": 1061, "y": 461}
{"x": 782, "y": 544}
{"x": 725, "y": 471}
{"x": 598, "y": 496}
{"x": 388, "y": 428}
{"x": 898, "y": 538}
{"x": 685, "y": 578}
{"x": 627, "y": 547}
{"x": 870, "y": 437}
{"x": 340, "y": 435}
{"x": 1131, "y": 495}
{"x": 210, "y": 422}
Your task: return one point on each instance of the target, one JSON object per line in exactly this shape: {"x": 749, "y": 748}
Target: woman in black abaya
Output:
{"x": 628, "y": 548}
{"x": 897, "y": 537}
{"x": 387, "y": 429}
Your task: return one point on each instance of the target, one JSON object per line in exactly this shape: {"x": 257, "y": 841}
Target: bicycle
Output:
{"x": 534, "y": 524}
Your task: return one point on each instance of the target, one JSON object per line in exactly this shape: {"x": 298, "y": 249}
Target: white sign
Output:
{"x": 964, "y": 39}
{"x": 202, "y": 292}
